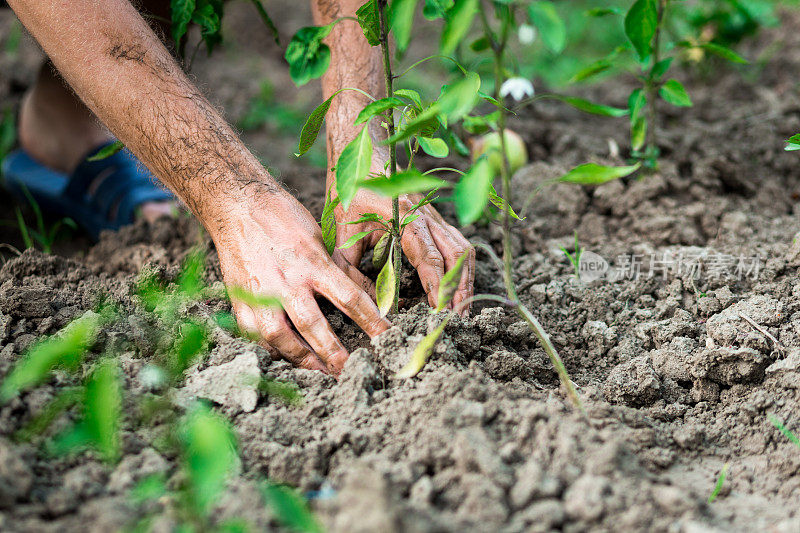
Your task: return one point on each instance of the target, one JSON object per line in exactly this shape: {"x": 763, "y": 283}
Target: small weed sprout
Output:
{"x": 723, "y": 474}
{"x": 789, "y": 434}
{"x": 575, "y": 256}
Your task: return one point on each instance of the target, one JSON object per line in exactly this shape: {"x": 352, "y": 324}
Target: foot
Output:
{"x": 58, "y": 130}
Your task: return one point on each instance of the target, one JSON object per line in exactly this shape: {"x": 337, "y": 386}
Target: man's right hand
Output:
{"x": 273, "y": 247}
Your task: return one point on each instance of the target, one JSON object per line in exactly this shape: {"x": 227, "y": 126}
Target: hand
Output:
{"x": 273, "y": 247}
{"x": 432, "y": 245}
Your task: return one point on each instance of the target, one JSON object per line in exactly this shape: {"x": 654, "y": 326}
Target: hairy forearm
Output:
{"x": 119, "y": 68}
{"x": 354, "y": 63}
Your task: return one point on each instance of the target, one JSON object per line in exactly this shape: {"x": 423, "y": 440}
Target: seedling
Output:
{"x": 42, "y": 235}
{"x": 654, "y": 53}
{"x": 575, "y": 256}
{"x": 786, "y": 431}
{"x": 720, "y": 482}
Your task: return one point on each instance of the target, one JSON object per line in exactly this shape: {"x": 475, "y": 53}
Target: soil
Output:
{"x": 678, "y": 373}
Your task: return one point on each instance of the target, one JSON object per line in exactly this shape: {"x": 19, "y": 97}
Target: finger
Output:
{"x": 354, "y": 273}
{"x": 276, "y": 332}
{"x": 422, "y": 252}
{"x": 351, "y": 300}
{"x": 314, "y": 328}
{"x": 453, "y": 245}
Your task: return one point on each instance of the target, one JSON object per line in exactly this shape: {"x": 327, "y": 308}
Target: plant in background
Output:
{"x": 654, "y": 51}
{"x": 42, "y": 235}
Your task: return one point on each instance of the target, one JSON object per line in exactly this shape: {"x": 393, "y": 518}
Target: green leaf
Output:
{"x": 458, "y": 21}
{"x": 480, "y": 44}
{"x": 190, "y": 279}
{"x": 422, "y": 352}
{"x": 377, "y": 107}
{"x": 381, "y": 251}
{"x": 472, "y": 192}
{"x": 436, "y": 9}
{"x": 103, "y": 409}
{"x": 106, "y": 151}
{"x": 592, "y": 70}
{"x": 636, "y": 103}
{"x": 307, "y": 55}
{"x": 355, "y": 238}
{"x": 603, "y": 11}
{"x": 433, "y": 146}
{"x": 406, "y": 182}
{"x": 367, "y": 16}
{"x": 401, "y": 20}
{"x": 544, "y": 16}
{"x": 190, "y": 342}
{"x": 411, "y": 95}
{"x": 590, "y": 107}
{"x": 793, "y": 143}
{"x": 353, "y": 166}
{"x": 500, "y": 203}
{"x": 66, "y": 348}
{"x": 290, "y": 509}
{"x": 253, "y": 300}
{"x": 205, "y": 17}
{"x": 424, "y": 120}
{"x": 594, "y": 174}
{"x": 638, "y": 133}
{"x": 267, "y": 20}
{"x": 661, "y": 68}
{"x": 640, "y": 26}
{"x": 181, "y": 13}
{"x": 674, "y": 93}
{"x": 784, "y": 430}
{"x": 328, "y": 223}
{"x": 208, "y": 448}
{"x": 45, "y": 416}
{"x": 149, "y": 489}
{"x": 724, "y": 53}
{"x": 311, "y": 128}
{"x": 368, "y": 217}
{"x": 449, "y": 283}
{"x": 459, "y": 98}
{"x": 720, "y": 481}
{"x": 385, "y": 285}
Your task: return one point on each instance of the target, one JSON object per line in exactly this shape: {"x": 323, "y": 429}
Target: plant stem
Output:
{"x": 498, "y": 48}
{"x": 387, "y": 72}
{"x": 651, "y": 89}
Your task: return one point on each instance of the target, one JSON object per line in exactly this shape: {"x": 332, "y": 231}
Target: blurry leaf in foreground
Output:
{"x": 422, "y": 352}
{"x": 449, "y": 283}
{"x": 209, "y": 455}
{"x": 290, "y": 509}
{"x": 66, "y": 348}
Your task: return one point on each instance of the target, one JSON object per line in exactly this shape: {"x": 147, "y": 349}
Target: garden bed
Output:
{"x": 679, "y": 368}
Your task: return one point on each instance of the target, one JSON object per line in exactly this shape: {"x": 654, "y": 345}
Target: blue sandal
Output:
{"x": 98, "y": 195}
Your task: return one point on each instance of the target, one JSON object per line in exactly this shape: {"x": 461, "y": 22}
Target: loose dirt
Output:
{"x": 679, "y": 369}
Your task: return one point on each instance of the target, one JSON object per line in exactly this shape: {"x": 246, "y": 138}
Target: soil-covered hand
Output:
{"x": 432, "y": 245}
{"x": 276, "y": 249}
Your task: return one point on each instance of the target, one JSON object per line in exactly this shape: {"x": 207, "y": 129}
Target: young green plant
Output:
{"x": 408, "y": 122}
{"x": 654, "y": 52}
